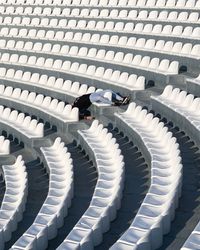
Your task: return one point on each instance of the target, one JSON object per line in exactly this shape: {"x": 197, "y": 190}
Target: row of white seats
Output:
{"x": 111, "y": 3}
{"x": 37, "y": 47}
{"x": 51, "y": 106}
{"x": 110, "y": 76}
{"x": 130, "y": 60}
{"x": 119, "y": 41}
{"x": 141, "y": 28}
{"x": 47, "y": 82}
{"x": 161, "y": 46}
{"x": 14, "y": 200}
{"x": 4, "y": 146}
{"x": 55, "y": 207}
{"x": 146, "y": 62}
{"x": 183, "y": 106}
{"x": 154, "y": 15}
{"x": 67, "y": 23}
{"x": 158, "y": 207}
{"x": 193, "y": 241}
{"x": 31, "y": 128}
{"x": 106, "y": 198}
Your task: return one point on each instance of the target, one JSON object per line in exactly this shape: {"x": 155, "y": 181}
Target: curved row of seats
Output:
{"x": 14, "y": 200}
{"x": 158, "y": 207}
{"x": 108, "y": 75}
{"x": 31, "y": 128}
{"x": 51, "y": 106}
{"x": 107, "y": 195}
{"x": 193, "y": 241}
{"x": 126, "y": 14}
{"x": 54, "y": 209}
{"x": 37, "y": 47}
{"x": 129, "y": 60}
{"x": 120, "y": 3}
{"x": 39, "y": 81}
{"x": 4, "y": 146}
{"x": 180, "y": 107}
{"x": 143, "y": 44}
{"x": 147, "y": 29}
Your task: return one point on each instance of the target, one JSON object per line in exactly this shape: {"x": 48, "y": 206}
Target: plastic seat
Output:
{"x": 95, "y": 38}
{"x": 77, "y": 36}
{"x": 32, "y": 60}
{"x": 53, "y": 22}
{"x": 41, "y": 34}
{"x": 10, "y": 44}
{"x": 2, "y": 72}
{"x": 17, "y": 20}
{"x": 7, "y": 20}
{"x": 5, "y": 57}
{"x": 71, "y": 24}
{"x": 138, "y": 27}
{"x": 187, "y": 31}
{"x": 23, "y": 59}
{"x": 44, "y": 22}
{"x": 113, "y": 40}
{"x": 132, "y": 14}
{"x": 56, "y": 11}
{"x": 196, "y": 32}
{"x": 22, "y": 32}
{"x": 177, "y": 30}
{"x": 28, "y": 46}
{"x": 167, "y": 29}
{"x": 32, "y": 33}
{"x": 119, "y": 26}
{"x": 129, "y": 27}
{"x": 35, "y": 21}
{"x": 25, "y": 21}
{"x": 142, "y": 14}
{"x": 114, "y": 13}
{"x": 164, "y": 65}
{"x": 37, "y": 11}
{"x": 84, "y": 13}
{"x": 66, "y": 11}
{"x": 40, "y": 62}
{"x": 91, "y": 24}
{"x": 14, "y": 58}
{"x": 168, "y": 46}
{"x": 4, "y": 31}
{"x": 190, "y": 4}
{"x": 46, "y": 11}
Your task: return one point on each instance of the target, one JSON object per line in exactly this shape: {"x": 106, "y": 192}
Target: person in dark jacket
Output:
{"x": 85, "y": 101}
